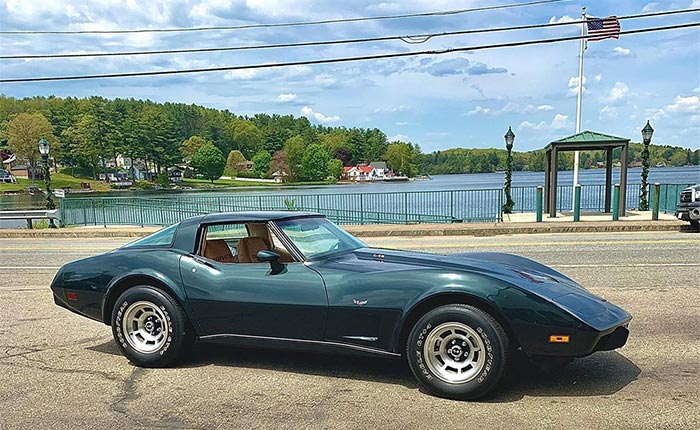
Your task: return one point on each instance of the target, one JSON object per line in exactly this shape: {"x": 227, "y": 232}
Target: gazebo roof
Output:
{"x": 590, "y": 137}
{"x": 587, "y": 140}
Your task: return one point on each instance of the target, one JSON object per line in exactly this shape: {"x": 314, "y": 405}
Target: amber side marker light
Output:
{"x": 559, "y": 338}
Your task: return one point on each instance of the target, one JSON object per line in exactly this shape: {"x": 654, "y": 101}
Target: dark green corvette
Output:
{"x": 296, "y": 280}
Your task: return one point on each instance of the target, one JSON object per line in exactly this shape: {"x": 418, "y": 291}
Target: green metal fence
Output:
{"x": 355, "y": 208}
{"x": 668, "y": 197}
{"x": 481, "y": 205}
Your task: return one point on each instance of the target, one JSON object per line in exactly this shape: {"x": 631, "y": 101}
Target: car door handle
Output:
{"x": 200, "y": 260}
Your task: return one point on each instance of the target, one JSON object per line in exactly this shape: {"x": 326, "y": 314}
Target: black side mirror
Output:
{"x": 273, "y": 258}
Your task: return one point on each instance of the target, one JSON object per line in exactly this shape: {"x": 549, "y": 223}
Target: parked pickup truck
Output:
{"x": 688, "y": 208}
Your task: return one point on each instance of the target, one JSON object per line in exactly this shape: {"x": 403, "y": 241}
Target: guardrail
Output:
{"x": 480, "y": 205}
{"x": 31, "y": 215}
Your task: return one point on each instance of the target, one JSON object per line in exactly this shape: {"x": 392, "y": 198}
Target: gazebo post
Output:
{"x": 553, "y": 182}
{"x": 623, "y": 180}
{"x": 608, "y": 178}
{"x": 547, "y": 187}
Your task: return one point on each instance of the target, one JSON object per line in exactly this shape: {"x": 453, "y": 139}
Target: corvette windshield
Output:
{"x": 318, "y": 237}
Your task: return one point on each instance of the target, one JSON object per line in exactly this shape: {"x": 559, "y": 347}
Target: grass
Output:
{"x": 58, "y": 180}
{"x": 64, "y": 180}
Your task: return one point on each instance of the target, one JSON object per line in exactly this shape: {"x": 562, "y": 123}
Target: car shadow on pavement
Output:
{"x": 600, "y": 374}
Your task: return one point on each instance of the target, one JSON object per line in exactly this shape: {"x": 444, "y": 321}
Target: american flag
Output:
{"x": 603, "y": 28}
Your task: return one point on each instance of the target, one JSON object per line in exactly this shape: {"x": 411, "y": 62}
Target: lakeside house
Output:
{"x": 374, "y": 171}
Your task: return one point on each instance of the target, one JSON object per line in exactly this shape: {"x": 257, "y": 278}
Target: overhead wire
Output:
{"x": 288, "y": 24}
{"x": 341, "y": 59}
{"x": 410, "y": 39}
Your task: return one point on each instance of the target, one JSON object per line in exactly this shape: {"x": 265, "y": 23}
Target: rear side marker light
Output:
{"x": 559, "y": 338}
{"x": 72, "y": 296}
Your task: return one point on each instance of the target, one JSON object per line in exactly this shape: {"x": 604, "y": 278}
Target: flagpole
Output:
{"x": 580, "y": 97}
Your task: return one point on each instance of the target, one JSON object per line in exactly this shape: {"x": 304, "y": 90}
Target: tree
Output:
{"x": 23, "y": 132}
{"x": 233, "y": 162}
{"x": 314, "y": 164}
{"x": 279, "y": 164}
{"x": 261, "y": 164}
{"x": 190, "y": 146}
{"x": 245, "y": 135}
{"x": 334, "y": 169}
{"x": 344, "y": 155}
{"x": 401, "y": 158}
{"x": 209, "y": 162}
{"x": 294, "y": 147}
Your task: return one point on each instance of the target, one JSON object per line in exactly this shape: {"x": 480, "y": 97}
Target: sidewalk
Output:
{"x": 521, "y": 223}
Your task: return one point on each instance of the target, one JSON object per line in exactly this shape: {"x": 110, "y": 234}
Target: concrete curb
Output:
{"x": 385, "y": 230}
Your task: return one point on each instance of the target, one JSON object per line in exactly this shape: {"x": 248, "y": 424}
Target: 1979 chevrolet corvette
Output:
{"x": 296, "y": 280}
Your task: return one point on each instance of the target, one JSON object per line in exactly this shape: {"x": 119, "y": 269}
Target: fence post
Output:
{"x": 577, "y": 203}
{"x": 538, "y": 204}
{"x": 405, "y": 207}
{"x": 655, "y": 208}
{"x": 616, "y": 203}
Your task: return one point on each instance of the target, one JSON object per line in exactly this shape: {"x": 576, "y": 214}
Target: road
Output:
{"x": 62, "y": 371}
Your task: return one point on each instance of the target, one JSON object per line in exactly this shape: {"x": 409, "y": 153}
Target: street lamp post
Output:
{"x": 44, "y": 151}
{"x": 647, "y": 133}
{"x": 510, "y": 138}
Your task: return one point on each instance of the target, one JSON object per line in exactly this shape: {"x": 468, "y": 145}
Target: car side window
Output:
{"x": 221, "y": 242}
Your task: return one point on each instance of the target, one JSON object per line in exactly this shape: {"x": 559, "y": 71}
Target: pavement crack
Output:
{"x": 130, "y": 394}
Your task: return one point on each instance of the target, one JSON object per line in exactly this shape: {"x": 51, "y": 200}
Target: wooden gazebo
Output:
{"x": 585, "y": 141}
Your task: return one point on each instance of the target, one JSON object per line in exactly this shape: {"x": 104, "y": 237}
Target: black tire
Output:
{"x": 695, "y": 225}
{"x": 492, "y": 340}
{"x": 171, "y": 346}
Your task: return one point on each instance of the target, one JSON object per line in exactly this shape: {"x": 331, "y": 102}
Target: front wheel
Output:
{"x": 150, "y": 327}
{"x": 458, "y": 352}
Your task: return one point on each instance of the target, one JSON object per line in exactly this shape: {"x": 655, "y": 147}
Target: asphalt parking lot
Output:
{"x": 62, "y": 371}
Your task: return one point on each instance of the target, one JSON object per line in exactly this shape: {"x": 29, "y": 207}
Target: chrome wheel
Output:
{"x": 145, "y": 327}
{"x": 454, "y": 352}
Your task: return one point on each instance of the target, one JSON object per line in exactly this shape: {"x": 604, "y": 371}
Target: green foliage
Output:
{"x": 314, "y": 163}
{"x": 402, "y": 158}
{"x": 294, "y": 147}
{"x": 261, "y": 164}
{"x": 23, "y": 132}
{"x": 209, "y": 162}
{"x": 190, "y": 146}
{"x": 163, "y": 180}
{"x": 233, "y": 161}
{"x": 334, "y": 169}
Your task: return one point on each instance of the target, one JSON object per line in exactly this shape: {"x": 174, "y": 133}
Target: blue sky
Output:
{"x": 438, "y": 102}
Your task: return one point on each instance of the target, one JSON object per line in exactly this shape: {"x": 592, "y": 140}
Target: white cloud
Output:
{"x": 398, "y": 138}
{"x": 402, "y": 123}
{"x": 544, "y": 107}
{"x": 690, "y": 104}
{"x": 479, "y": 111}
{"x": 650, "y": 7}
{"x": 618, "y": 92}
{"x": 318, "y": 116}
{"x": 242, "y": 74}
{"x": 621, "y": 52}
{"x": 608, "y": 112}
{"x": 697, "y": 90}
{"x": 563, "y": 19}
{"x": 560, "y": 121}
{"x": 286, "y": 97}
{"x": 325, "y": 80}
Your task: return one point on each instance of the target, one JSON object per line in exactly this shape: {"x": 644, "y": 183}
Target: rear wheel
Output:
{"x": 150, "y": 327}
{"x": 458, "y": 351}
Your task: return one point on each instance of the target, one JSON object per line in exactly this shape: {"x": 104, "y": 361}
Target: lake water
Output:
{"x": 663, "y": 175}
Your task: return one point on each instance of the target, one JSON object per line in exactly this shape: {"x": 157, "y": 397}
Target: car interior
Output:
{"x": 241, "y": 242}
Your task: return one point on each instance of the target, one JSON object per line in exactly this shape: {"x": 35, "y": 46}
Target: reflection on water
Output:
{"x": 663, "y": 175}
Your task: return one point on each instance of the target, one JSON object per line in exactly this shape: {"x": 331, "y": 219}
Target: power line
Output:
{"x": 411, "y": 39}
{"x": 342, "y": 59}
{"x": 289, "y": 24}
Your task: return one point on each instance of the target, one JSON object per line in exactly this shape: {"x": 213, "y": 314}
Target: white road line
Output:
{"x": 30, "y": 267}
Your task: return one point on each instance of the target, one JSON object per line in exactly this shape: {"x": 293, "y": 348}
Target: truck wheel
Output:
{"x": 150, "y": 327}
{"x": 457, "y": 351}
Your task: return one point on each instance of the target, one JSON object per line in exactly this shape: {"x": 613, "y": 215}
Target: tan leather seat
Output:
{"x": 218, "y": 250}
{"x": 248, "y": 249}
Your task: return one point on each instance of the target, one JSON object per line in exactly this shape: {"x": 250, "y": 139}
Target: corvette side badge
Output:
{"x": 359, "y": 302}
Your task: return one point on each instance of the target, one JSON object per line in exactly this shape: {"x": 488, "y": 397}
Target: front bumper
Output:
{"x": 688, "y": 211}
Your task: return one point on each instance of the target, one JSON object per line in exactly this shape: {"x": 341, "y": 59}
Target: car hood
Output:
{"x": 527, "y": 275}
{"x": 495, "y": 264}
